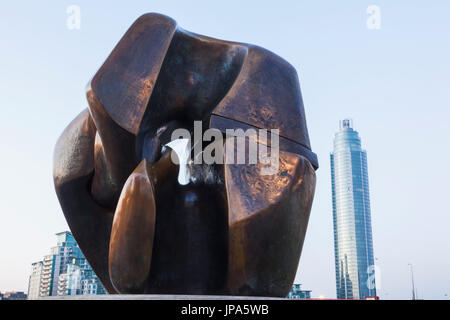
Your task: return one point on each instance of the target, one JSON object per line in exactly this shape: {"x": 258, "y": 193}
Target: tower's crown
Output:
{"x": 346, "y": 124}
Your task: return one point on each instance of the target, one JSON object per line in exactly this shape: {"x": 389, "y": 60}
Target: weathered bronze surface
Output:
{"x": 229, "y": 231}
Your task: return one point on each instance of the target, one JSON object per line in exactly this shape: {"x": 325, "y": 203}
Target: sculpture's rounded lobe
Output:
{"x": 132, "y": 234}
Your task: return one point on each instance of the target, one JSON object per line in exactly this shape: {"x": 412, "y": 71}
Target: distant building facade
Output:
{"x": 297, "y": 292}
{"x": 65, "y": 271}
{"x": 353, "y": 247}
{"x": 13, "y": 295}
{"x": 34, "y": 284}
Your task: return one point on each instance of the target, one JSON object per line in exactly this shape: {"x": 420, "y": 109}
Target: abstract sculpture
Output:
{"x": 230, "y": 230}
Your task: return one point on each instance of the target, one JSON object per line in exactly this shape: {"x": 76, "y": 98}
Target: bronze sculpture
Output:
{"x": 232, "y": 231}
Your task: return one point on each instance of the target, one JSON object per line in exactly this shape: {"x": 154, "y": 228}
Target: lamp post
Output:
{"x": 412, "y": 281}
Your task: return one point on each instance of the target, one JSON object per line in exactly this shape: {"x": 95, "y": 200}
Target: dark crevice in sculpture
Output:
{"x": 190, "y": 251}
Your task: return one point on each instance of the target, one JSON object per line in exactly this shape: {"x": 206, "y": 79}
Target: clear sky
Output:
{"x": 393, "y": 82}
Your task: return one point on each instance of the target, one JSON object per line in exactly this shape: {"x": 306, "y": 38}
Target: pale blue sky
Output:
{"x": 394, "y": 82}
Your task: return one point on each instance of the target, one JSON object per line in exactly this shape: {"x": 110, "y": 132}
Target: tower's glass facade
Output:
{"x": 353, "y": 246}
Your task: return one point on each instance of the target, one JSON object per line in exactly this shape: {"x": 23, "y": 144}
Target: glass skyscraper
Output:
{"x": 353, "y": 245}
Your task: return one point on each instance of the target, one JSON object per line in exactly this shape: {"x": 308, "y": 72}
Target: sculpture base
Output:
{"x": 155, "y": 297}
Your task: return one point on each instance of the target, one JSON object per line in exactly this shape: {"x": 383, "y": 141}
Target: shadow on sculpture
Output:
{"x": 230, "y": 230}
